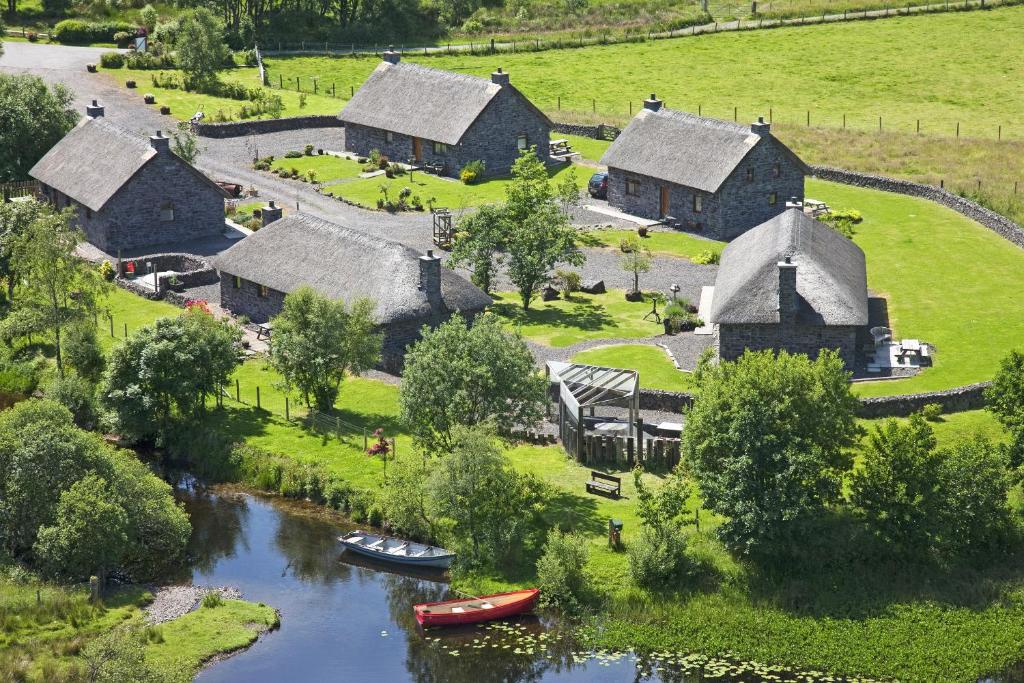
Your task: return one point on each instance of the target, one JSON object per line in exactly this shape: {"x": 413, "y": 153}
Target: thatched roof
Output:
{"x": 683, "y": 149}
{"x": 95, "y": 160}
{"x": 831, "y": 275}
{"x": 422, "y": 102}
{"x": 344, "y": 264}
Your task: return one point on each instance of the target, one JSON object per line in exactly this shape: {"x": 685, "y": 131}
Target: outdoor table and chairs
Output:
{"x": 559, "y": 148}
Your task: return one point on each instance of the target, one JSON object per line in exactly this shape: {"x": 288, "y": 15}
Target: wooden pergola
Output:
{"x": 582, "y": 387}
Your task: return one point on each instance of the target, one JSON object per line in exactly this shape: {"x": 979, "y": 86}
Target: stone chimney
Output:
{"x": 430, "y": 277}
{"x": 652, "y": 103}
{"x": 94, "y": 110}
{"x": 390, "y": 56}
{"x": 271, "y": 212}
{"x": 161, "y": 144}
{"x": 759, "y": 127}
{"x": 788, "y": 298}
{"x": 499, "y": 77}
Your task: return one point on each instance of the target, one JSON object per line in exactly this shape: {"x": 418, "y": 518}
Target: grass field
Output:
{"x": 662, "y": 242}
{"x": 655, "y": 368}
{"x": 327, "y": 167}
{"x": 446, "y": 192}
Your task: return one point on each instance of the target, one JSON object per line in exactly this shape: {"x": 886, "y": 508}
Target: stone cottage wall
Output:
{"x": 647, "y": 202}
{"x": 745, "y": 202}
{"x": 246, "y": 300}
{"x": 732, "y": 340}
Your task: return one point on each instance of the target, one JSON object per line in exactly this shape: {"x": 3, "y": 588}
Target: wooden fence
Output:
{"x": 619, "y": 452}
{"x": 25, "y": 188}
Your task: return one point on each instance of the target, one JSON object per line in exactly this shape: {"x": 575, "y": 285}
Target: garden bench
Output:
{"x": 604, "y": 484}
{"x": 262, "y": 331}
{"x": 436, "y": 169}
{"x": 559, "y": 148}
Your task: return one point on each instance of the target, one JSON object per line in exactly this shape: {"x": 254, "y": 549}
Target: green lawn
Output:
{"x": 662, "y": 242}
{"x": 948, "y": 281}
{"x": 447, "y": 192}
{"x": 191, "y": 640}
{"x": 561, "y": 323}
{"x": 132, "y": 310}
{"x": 327, "y": 167}
{"x": 965, "y": 67}
{"x": 656, "y": 369}
{"x": 588, "y": 148}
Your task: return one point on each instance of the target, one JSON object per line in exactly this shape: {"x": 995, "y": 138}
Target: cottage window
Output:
{"x": 88, "y": 212}
{"x": 773, "y": 198}
{"x": 440, "y": 148}
{"x": 750, "y": 175}
{"x": 698, "y": 203}
{"x": 776, "y": 171}
{"x": 522, "y": 142}
{"x": 264, "y": 291}
{"x": 167, "y": 211}
{"x": 632, "y": 187}
{"x": 389, "y": 136}
{"x": 236, "y": 282}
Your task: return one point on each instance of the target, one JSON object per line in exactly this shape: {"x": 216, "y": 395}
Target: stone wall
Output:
{"x": 245, "y": 299}
{"x": 999, "y": 224}
{"x": 732, "y": 340}
{"x": 958, "y": 399}
{"x": 646, "y": 203}
{"x": 192, "y": 270}
{"x": 234, "y": 129}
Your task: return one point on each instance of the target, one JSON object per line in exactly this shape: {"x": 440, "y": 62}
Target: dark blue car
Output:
{"x": 598, "y": 185}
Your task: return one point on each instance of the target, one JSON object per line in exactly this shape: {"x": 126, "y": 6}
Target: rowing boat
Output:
{"x": 397, "y": 550}
{"x": 474, "y": 610}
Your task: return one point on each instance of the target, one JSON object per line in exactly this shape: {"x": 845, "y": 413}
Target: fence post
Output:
{"x": 1000, "y": 134}
{"x": 844, "y": 121}
{"x": 958, "y": 129}
{"x": 238, "y": 391}
{"x": 351, "y": 91}
{"x": 126, "y": 330}
{"x": 593, "y": 105}
{"x": 769, "y": 115}
{"x": 735, "y": 113}
{"x": 366, "y": 441}
{"x": 879, "y": 123}
{"x": 559, "y": 103}
{"x": 111, "y": 326}
{"x": 942, "y": 183}
{"x": 808, "y": 117}
{"x": 280, "y": 82}
{"x": 287, "y": 415}
{"x": 258, "y": 397}
{"x": 919, "y": 126}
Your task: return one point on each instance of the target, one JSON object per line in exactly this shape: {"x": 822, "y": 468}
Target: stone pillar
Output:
{"x": 271, "y": 212}
{"x": 788, "y": 299}
{"x": 430, "y": 278}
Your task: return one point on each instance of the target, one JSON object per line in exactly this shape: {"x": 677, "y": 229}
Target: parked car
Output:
{"x": 598, "y": 186}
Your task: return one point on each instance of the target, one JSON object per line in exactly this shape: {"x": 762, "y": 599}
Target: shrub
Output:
{"x": 308, "y": 150}
{"x": 112, "y": 60}
{"x": 932, "y": 412}
{"x": 212, "y": 599}
{"x": 561, "y": 572}
{"x": 107, "y": 271}
{"x": 146, "y": 60}
{"x": 657, "y": 559}
{"x": 78, "y": 31}
{"x": 292, "y": 154}
{"x": 706, "y": 257}
{"x": 567, "y": 282}
{"x": 78, "y": 395}
{"x": 82, "y": 350}
{"x": 472, "y": 172}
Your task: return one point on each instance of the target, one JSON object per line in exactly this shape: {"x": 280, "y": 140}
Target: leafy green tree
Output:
{"x": 478, "y": 245}
{"x": 166, "y": 371}
{"x": 56, "y": 284}
{"x": 657, "y": 558}
{"x": 88, "y": 536}
{"x": 35, "y": 117}
{"x": 148, "y": 16}
{"x": 82, "y": 350}
{"x": 201, "y": 50}
{"x": 15, "y": 217}
{"x": 538, "y": 234}
{"x": 636, "y": 259}
{"x": 317, "y": 341}
{"x": 562, "y": 574}
{"x": 975, "y": 483}
{"x": 404, "y": 498}
{"x": 474, "y": 490}
{"x": 899, "y": 486}
{"x": 465, "y": 375}
{"x": 1005, "y": 400}
{"x": 78, "y": 395}
{"x": 184, "y": 142}
{"x": 766, "y": 441}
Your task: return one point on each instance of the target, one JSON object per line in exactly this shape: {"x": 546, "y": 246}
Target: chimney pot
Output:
{"x": 160, "y": 143}
{"x": 94, "y": 110}
{"x": 499, "y": 77}
{"x": 392, "y": 57}
{"x": 759, "y": 127}
{"x": 652, "y": 103}
{"x": 271, "y": 212}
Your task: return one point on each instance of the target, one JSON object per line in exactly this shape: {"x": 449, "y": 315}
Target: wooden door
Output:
{"x": 417, "y": 149}
{"x": 664, "y": 200}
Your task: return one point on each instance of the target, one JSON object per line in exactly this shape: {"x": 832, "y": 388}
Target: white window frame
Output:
{"x": 632, "y": 187}
{"x": 440, "y": 147}
{"x": 698, "y": 203}
{"x": 522, "y": 142}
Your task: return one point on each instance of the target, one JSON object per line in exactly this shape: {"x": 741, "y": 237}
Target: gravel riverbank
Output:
{"x": 171, "y": 602}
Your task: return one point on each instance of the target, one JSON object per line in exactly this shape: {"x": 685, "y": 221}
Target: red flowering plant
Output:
{"x": 198, "y": 305}
{"x": 382, "y": 447}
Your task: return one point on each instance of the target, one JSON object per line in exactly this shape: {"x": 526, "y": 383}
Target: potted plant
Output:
{"x": 165, "y": 110}
{"x": 175, "y": 284}
{"x": 673, "y": 317}
{"x": 149, "y": 98}
{"x": 91, "y": 68}
{"x": 128, "y": 84}
{"x": 642, "y": 231}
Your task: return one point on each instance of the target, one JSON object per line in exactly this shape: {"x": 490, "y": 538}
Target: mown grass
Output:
{"x": 327, "y": 167}
{"x": 662, "y": 242}
{"x": 656, "y": 369}
{"x": 194, "y": 638}
{"x": 124, "y": 308}
{"x": 447, "y": 192}
{"x": 584, "y": 317}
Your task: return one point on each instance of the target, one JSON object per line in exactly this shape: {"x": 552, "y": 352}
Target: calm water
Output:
{"x": 345, "y": 622}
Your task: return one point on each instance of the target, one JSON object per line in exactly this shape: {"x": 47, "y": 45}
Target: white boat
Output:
{"x": 396, "y": 550}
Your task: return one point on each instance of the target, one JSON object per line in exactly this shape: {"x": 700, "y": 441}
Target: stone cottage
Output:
{"x": 128, "y": 193}
{"x": 412, "y": 112}
{"x": 791, "y": 283}
{"x": 410, "y": 289}
{"x": 713, "y": 177}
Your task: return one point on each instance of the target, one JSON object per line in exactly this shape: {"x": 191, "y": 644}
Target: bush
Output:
{"x": 561, "y": 574}
{"x": 212, "y": 599}
{"x": 78, "y": 31}
{"x": 472, "y": 172}
{"x": 567, "y": 282}
{"x": 112, "y": 60}
{"x": 657, "y": 560}
{"x": 308, "y": 150}
{"x": 123, "y": 38}
{"x": 107, "y": 271}
{"x": 146, "y": 60}
{"x": 932, "y": 412}
{"x": 78, "y": 395}
{"x": 706, "y": 257}
{"x": 292, "y": 154}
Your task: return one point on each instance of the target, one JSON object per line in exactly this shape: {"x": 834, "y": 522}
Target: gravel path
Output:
{"x": 171, "y": 602}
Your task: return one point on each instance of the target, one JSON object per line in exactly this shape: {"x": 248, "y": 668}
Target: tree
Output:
{"x": 465, "y": 375}
{"x": 898, "y": 488}
{"x": 82, "y": 350}
{"x": 15, "y": 218}
{"x": 975, "y": 482}
{"x": 317, "y": 341}
{"x": 561, "y": 571}
{"x": 538, "y": 234}
{"x": 148, "y": 16}
{"x": 35, "y": 117}
{"x": 78, "y": 395}
{"x": 58, "y": 285}
{"x": 167, "y": 370}
{"x": 636, "y": 259}
{"x": 766, "y": 441}
{"x": 200, "y": 44}
{"x": 184, "y": 142}
{"x": 658, "y": 557}
{"x": 488, "y": 507}
{"x": 89, "y": 534}
{"x": 478, "y": 244}
{"x": 1005, "y": 399}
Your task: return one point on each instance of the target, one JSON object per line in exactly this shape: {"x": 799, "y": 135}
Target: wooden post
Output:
{"x": 111, "y": 326}
{"x": 769, "y": 114}
{"x": 879, "y": 123}
{"x": 919, "y": 126}
{"x": 579, "y": 433}
{"x": 593, "y": 105}
{"x": 639, "y": 440}
{"x": 1000, "y": 135}
{"x": 844, "y": 121}
{"x": 958, "y": 129}
{"x": 238, "y": 391}
{"x": 366, "y": 441}
{"x": 735, "y": 113}
{"x": 287, "y": 416}
{"x": 126, "y": 330}
{"x": 808, "y": 117}
{"x": 258, "y": 396}
{"x": 280, "y": 81}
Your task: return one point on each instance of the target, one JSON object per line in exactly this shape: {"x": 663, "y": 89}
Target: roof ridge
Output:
{"x": 471, "y": 78}
{"x": 696, "y": 119}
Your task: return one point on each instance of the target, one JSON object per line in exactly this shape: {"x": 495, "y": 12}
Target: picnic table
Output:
{"x": 559, "y": 147}
{"x": 263, "y": 331}
{"x": 911, "y": 349}
{"x": 816, "y": 207}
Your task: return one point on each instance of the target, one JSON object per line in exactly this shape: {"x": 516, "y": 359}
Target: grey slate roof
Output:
{"x": 344, "y": 264}
{"x": 93, "y": 161}
{"x": 422, "y": 102}
{"x": 682, "y": 148}
{"x": 831, "y": 275}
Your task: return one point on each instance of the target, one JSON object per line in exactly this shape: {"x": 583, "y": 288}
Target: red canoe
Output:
{"x": 473, "y": 610}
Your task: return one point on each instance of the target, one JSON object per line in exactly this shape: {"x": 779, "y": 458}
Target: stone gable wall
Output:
{"x": 732, "y": 340}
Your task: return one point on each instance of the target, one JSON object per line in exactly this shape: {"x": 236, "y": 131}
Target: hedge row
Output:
{"x": 78, "y": 31}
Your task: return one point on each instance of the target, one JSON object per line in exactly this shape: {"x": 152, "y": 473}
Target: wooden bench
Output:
{"x": 604, "y": 484}
{"x": 559, "y": 148}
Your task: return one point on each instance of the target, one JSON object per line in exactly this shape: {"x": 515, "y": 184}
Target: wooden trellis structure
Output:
{"x": 444, "y": 231}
